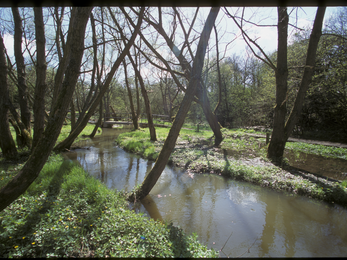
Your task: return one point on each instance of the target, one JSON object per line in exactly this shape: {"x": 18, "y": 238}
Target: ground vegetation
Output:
{"x": 242, "y": 157}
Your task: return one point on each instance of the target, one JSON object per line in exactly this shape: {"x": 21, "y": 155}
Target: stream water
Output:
{"x": 243, "y": 219}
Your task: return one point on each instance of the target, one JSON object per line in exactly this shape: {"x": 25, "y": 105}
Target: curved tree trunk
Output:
{"x": 18, "y": 185}
{"x": 169, "y": 144}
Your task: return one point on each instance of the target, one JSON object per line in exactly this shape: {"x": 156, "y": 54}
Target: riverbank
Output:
{"x": 240, "y": 157}
{"x": 67, "y": 213}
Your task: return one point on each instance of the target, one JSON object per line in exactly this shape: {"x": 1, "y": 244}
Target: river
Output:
{"x": 240, "y": 218}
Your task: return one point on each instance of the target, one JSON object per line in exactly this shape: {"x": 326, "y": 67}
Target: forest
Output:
{"x": 76, "y": 64}
{"x": 226, "y": 73}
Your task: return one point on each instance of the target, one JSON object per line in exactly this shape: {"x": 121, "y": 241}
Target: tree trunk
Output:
{"x": 40, "y": 88}
{"x": 219, "y": 74}
{"x": 66, "y": 144}
{"x": 308, "y": 71}
{"x": 282, "y": 130}
{"x": 278, "y": 140}
{"x": 72, "y": 114}
{"x": 18, "y": 185}
{"x": 138, "y": 108}
{"x": 22, "y": 87}
{"x": 133, "y": 113}
{"x": 24, "y": 138}
{"x": 18, "y": 133}
{"x": 145, "y": 98}
{"x": 7, "y": 144}
{"x": 98, "y": 123}
{"x": 210, "y": 116}
{"x": 63, "y": 63}
{"x": 169, "y": 144}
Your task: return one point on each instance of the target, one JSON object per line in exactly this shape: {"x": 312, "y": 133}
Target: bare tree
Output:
{"x": 65, "y": 144}
{"x": 201, "y": 92}
{"x": 151, "y": 127}
{"x": 282, "y": 128}
{"x": 169, "y": 144}
{"x": 43, "y": 148}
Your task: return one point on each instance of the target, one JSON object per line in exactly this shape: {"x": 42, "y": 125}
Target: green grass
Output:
{"x": 64, "y": 133}
{"x": 138, "y": 141}
{"x": 66, "y": 213}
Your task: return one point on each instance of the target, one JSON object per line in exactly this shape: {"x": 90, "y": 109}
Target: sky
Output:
{"x": 267, "y": 36}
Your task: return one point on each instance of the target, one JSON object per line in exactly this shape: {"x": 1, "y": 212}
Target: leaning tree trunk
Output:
{"x": 66, "y": 144}
{"x": 7, "y": 144}
{"x": 18, "y": 185}
{"x": 210, "y": 116}
{"x": 308, "y": 71}
{"x": 169, "y": 144}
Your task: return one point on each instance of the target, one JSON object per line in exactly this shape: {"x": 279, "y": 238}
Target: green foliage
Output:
{"x": 247, "y": 92}
{"x": 66, "y": 213}
{"x": 325, "y": 106}
{"x": 66, "y": 129}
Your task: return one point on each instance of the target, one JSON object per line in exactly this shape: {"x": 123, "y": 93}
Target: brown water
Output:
{"x": 260, "y": 222}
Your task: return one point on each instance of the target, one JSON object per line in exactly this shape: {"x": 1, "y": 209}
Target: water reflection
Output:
{"x": 261, "y": 222}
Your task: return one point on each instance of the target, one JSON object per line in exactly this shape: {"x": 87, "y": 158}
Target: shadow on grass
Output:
{"x": 332, "y": 193}
{"x": 179, "y": 242}
{"x": 34, "y": 217}
{"x": 23, "y": 156}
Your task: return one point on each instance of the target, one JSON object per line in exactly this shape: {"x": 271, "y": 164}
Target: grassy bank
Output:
{"x": 66, "y": 213}
{"x": 240, "y": 157}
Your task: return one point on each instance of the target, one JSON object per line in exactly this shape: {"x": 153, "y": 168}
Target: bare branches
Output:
{"x": 247, "y": 39}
